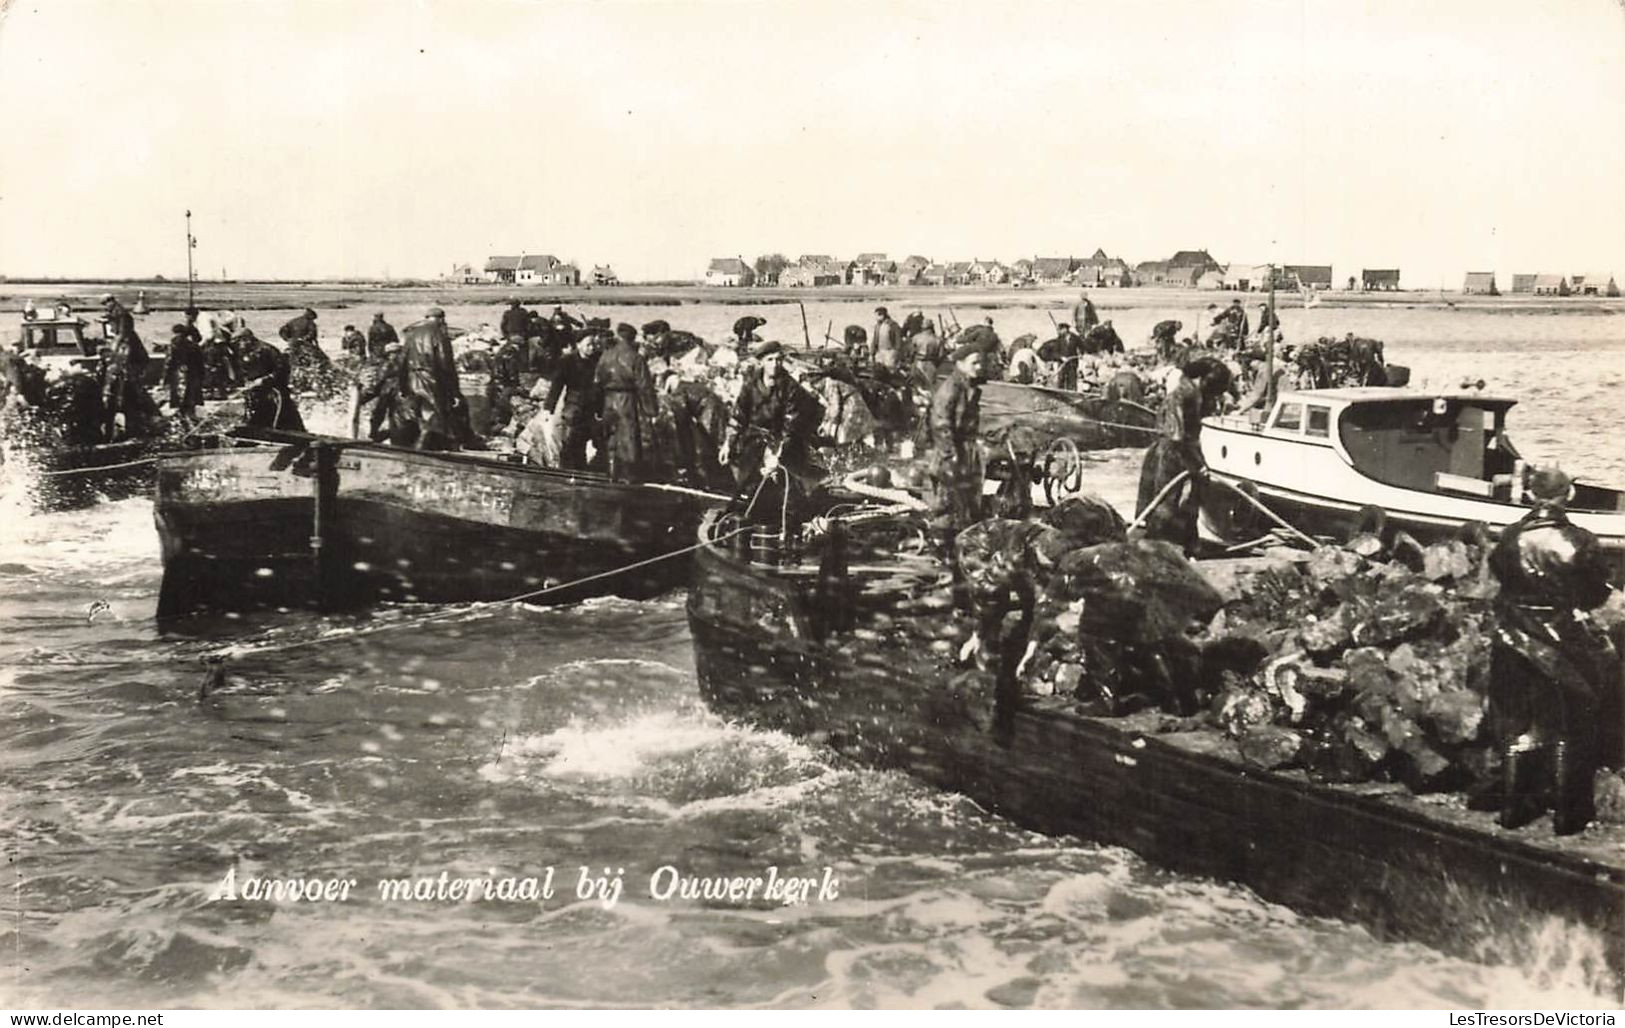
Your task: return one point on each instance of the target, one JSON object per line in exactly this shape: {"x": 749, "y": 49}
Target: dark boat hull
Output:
{"x": 1442, "y": 876}
{"x": 330, "y": 523}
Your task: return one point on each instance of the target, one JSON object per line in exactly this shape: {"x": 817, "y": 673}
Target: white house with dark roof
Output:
{"x": 1593, "y": 283}
{"x": 729, "y": 271}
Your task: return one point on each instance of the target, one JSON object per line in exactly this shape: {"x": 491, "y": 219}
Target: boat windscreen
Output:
{"x": 1409, "y": 444}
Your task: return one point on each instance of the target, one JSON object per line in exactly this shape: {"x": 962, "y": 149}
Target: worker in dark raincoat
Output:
{"x": 575, "y": 380}
{"x": 509, "y": 364}
{"x": 629, "y": 407}
{"x": 1165, "y": 338}
{"x": 379, "y": 335}
{"x": 1101, "y": 339}
{"x": 1061, "y": 354}
{"x": 267, "y": 393}
{"x": 515, "y": 321}
{"x": 121, "y": 329}
{"x": 221, "y": 372}
{"x": 955, "y": 425}
{"x": 745, "y": 333}
{"x": 312, "y": 369}
{"x": 183, "y": 372}
{"x": 1201, "y": 383}
{"x": 1554, "y": 688}
{"x": 392, "y": 419}
{"x": 430, "y": 381}
{"x": 354, "y": 342}
{"x": 769, "y": 440}
{"x": 693, "y": 419}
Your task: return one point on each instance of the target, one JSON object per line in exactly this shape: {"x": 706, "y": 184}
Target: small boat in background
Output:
{"x": 1332, "y": 460}
{"x": 54, "y": 446}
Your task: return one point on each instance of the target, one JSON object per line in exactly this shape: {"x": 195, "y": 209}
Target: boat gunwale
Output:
{"x": 1136, "y": 743}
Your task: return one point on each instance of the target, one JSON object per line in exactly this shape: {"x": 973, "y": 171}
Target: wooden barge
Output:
{"x": 863, "y": 662}
{"x": 286, "y": 519}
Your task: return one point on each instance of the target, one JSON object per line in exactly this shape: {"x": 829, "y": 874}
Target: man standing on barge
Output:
{"x": 770, "y": 437}
{"x": 1179, "y": 451}
{"x": 1554, "y": 689}
{"x": 629, "y": 402}
{"x": 956, "y": 460}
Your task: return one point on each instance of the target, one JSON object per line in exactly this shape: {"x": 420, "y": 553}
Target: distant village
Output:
{"x": 1187, "y": 269}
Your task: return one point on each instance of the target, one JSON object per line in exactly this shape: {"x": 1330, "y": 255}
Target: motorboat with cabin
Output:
{"x": 1331, "y": 461}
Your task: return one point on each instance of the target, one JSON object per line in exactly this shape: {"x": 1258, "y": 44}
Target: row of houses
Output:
{"x": 878, "y": 269}
{"x": 1596, "y": 283}
{"x": 540, "y": 269}
{"x": 1187, "y": 269}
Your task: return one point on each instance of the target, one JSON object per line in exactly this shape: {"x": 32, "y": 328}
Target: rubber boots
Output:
{"x": 1572, "y": 807}
{"x": 1523, "y": 786}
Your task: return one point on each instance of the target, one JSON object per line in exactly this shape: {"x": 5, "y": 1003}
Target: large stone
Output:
{"x": 1455, "y": 715}
{"x": 1141, "y": 591}
{"x": 1366, "y": 545}
{"x": 1270, "y": 746}
{"x": 1425, "y": 768}
{"x": 1333, "y": 562}
{"x": 1609, "y": 794}
{"x": 1393, "y": 618}
{"x": 1446, "y": 560}
{"x": 1327, "y": 636}
{"x": 1367, "y": 668}
{"x": 1414, "y": 676}
{"x": 1067, "y": 678}
{"x": 1243, "y": 707}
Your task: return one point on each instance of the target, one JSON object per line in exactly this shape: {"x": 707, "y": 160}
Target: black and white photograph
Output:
{"x": 812, "y": 505}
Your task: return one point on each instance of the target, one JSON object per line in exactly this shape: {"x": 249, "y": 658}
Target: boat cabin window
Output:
{"x": 1320, "y": 422}
{"x": 1409, "y": 444}
{"x": 1289, "y": 417}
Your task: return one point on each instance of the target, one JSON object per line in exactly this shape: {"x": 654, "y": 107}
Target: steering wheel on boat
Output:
{"x": 1062, "y": 469}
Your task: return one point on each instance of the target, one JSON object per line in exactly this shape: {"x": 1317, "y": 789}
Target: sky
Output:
{"x": 353, "y": 138}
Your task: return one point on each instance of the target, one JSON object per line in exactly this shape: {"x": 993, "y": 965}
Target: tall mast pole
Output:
{"x": 190, "y": 243}
{"x": 1269, "y": 348}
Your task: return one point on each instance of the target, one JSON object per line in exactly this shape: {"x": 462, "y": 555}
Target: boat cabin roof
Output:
{"x": 1371, "y": 395}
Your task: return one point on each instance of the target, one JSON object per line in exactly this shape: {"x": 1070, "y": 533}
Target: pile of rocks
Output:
{"x": 1366, "y": 662}
{"x": 1369, "y": 665}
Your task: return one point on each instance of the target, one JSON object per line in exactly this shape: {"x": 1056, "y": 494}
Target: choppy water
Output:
{"x": 501, "y": 742}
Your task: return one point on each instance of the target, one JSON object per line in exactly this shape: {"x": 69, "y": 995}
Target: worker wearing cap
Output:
{"x": 955, "y": 427}
{"x": 515, "y": 321}
{"x": 379, "y": 335}
{"x": 1267, "y": 319}
{"x": 392, "y": 418}
{"x": 1554, "y": 686}
{"x": 192, "y": 331}
{"x": 183, "y": 371}
{"x": 1174, "y": 504}
{"x": 628, "y": 392}
{"x": 121, "y": 330}
{"x": 769, "y": 439}
{"x": 429, "y": 383}
{"x": 268, "y": 400}
{"x": 312, "y": 368}
{"x": 354, "y": 342}
{"x": 575, "y": 381}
